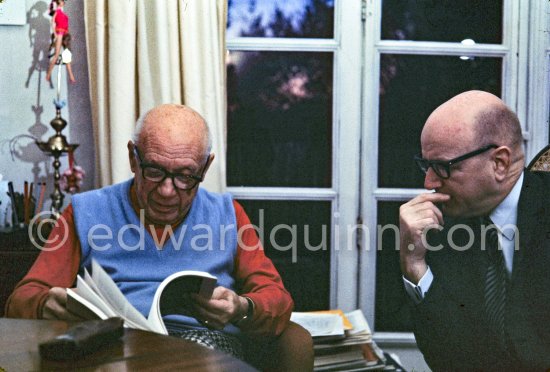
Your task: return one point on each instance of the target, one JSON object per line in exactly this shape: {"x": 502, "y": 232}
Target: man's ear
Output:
{"x": 208, "y": 162}
{"x": 131, "y": 157}
{"x": 502, "y": 158}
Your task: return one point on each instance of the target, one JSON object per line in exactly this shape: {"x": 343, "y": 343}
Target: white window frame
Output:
{"x": 344, "y": 193}
{"x": 357, "y": 47}
{"x": 525, "y": 50}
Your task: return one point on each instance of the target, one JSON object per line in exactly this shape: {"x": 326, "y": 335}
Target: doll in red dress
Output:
{"x": 60, "y": 25}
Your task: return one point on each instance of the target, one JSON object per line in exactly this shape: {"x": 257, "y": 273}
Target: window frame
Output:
{"x": 346, "y": 47}
{"x": 354, "y": 194}
{"x": 523, "y": 65}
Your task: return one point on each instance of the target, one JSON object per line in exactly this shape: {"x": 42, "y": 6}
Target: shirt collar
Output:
{"x": 505, "y": 215}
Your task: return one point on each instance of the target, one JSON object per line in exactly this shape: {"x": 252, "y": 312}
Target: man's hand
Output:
{"x": 223, "y": 307}
{"x": 415, "y": 218}
{"x": 55, "y": 306}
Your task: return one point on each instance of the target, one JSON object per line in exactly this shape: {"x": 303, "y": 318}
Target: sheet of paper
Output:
{"x": 358, "y": 321}
{"x": 84, "y": 290}
{"x": 114, "y": 297}
{"x": 320, "y": 324}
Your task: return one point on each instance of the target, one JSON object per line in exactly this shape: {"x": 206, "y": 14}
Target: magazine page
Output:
{"x": 347, "y": 324}
{"x": 169, "y": 297}
{"x": 78, "y": 305}
{"x": 320, "y": 324}
{"x": 359, "y": 322}
{"x": 113, "y": 296}
{"x": 86, "y": 295}
{"x": 91, "y": 294}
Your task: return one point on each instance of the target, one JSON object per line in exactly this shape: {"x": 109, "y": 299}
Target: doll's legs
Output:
{"x": 53, "y": 60}
{"x": 70, "y": 72}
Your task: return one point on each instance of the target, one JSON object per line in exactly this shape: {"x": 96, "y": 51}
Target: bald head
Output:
{"x": 477, "y": 118}
{"x": 173, "y": 122}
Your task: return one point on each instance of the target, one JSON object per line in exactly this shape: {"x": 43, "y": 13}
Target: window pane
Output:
{"x": 279, "y": 119}
{"x": 392, "y": 305}
{"x": 411, "y": 87}
{"x": 290, "y": 232}
{"x": 281, "y": 18}
{"x": 443, "y": 20}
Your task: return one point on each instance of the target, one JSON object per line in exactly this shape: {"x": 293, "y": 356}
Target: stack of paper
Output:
{"x": 342, "y": 342}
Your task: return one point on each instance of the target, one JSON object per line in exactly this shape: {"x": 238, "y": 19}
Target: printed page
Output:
{"x": 86, "y": 292}
{"x": 114, "y": 297}
{"x": 78, "y": 305}
{"x": 347, "y": 324}
{"x": 169, "y": 298}
{"x": 358, "y": 321}
{"x": 320, "y": 324}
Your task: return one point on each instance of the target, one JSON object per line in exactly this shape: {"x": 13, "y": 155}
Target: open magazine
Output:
{"x": 96, "y": 296}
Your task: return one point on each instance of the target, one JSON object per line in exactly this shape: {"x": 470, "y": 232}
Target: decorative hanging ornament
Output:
{"x": 71, "y": 179}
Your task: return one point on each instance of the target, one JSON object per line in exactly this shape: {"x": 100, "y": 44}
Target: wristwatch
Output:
{"x": 249, "y": 314}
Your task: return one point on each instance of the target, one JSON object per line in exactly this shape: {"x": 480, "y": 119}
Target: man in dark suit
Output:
{"x": 479, "y": 304}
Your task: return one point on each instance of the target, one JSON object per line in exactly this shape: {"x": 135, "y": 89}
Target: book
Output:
{"x": 320, "y": 324}
{"x": 97, "y": 296}
{"x": 341, "y": 341}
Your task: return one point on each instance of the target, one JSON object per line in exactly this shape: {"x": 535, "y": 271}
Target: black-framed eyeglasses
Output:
{"x": 443, "y": 167}
{"x": 158, "y": 174}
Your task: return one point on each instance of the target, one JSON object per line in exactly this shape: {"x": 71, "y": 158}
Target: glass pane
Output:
{"x": 281, "y": 18}
{"x": 279, "y": 122}
{"x": 392, "y": 305}
{"x": 443, "y": 20}
{"x": 296, "y": 236}
{"x": 411, "y": 87}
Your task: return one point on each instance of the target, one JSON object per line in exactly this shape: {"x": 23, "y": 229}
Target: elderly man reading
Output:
{"x": 169, "y": 156}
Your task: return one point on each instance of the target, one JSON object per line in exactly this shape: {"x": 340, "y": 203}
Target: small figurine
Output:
{"x": 72, "y": 178}
{"x": 60, "y": 25}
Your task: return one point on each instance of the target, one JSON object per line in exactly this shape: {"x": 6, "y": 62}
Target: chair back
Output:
{"x": 541, "y": 161}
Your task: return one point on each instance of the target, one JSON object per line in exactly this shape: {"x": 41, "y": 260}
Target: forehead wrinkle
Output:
{"x": 174, "y": 135}
{"x": 174, "y": 158}
{"x": 177, "y": 123}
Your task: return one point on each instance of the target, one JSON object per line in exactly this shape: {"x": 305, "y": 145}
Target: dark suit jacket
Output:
{"x": 450, "y": 325}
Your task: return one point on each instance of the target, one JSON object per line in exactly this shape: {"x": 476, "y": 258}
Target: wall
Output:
{"x": 26, "y": 99}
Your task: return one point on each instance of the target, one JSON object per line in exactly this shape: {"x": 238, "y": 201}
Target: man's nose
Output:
{"x": 167, "y": 187}
{"x": 432, "y": 181}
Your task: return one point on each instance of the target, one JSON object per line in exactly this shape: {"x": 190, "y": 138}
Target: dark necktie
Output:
{"x": 495, "y": 280}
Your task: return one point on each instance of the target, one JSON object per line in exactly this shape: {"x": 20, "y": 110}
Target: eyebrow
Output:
{"x": 141, "y": 156}
{"x": 176, "y": 170}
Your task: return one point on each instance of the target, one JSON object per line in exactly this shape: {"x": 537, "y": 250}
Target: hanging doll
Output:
{"x": 60, "y": 25}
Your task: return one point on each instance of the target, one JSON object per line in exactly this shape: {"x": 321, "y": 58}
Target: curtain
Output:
{"x": 142, "y": 53}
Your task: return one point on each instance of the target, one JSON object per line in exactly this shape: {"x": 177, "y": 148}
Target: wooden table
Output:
{"x": 137, "y": 350}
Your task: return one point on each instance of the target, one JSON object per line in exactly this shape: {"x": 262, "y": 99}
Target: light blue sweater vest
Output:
{"x": 111, "y": 233}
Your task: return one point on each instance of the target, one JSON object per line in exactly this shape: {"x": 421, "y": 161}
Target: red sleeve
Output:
{"x": 260, "y": 281}
{"x": 56, "y": 266}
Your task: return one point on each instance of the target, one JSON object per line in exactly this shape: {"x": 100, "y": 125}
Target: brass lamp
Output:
{"x": 56, "y": 146}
